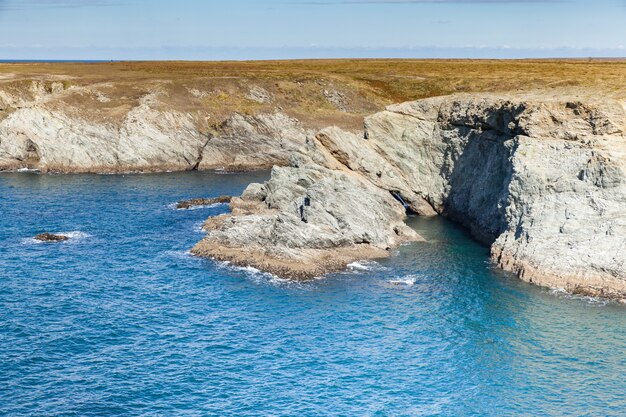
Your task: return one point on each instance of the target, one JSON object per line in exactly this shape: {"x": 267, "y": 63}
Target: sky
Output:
{"x": 279, "y": 29}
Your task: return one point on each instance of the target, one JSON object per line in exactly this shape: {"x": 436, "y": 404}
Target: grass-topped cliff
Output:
{"x": 317, "y": 92}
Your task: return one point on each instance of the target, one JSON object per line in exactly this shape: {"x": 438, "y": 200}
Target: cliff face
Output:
{"x": 35, "y": 135}
{"x": 542, "y": 182}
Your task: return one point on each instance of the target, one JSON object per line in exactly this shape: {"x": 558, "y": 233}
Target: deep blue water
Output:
{"x": 122, "y": 321}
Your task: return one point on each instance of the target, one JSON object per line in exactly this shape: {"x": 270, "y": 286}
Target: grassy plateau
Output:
{"x": 318, "y": 92}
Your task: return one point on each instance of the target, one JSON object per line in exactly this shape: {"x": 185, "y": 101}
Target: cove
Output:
{"x": 121, "y": 320}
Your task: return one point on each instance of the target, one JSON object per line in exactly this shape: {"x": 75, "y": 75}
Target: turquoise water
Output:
{"x": 120, "y": 320}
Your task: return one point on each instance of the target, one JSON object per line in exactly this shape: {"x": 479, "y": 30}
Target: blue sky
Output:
{"x": 247, "y": 29}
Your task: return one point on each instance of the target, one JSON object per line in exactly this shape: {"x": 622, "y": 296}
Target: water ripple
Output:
{"x": 123, "y": 320}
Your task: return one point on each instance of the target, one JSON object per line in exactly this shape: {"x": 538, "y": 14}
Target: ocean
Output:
{"x": 122, "y": 320}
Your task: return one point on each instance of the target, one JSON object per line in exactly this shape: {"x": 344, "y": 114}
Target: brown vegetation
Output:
{"x": 213, "y": 90}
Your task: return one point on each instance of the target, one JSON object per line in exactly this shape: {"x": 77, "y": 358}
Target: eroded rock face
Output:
{"x": 260, "y": 141}
{"x": 147, "y": 140}
{"x": 542, "y": 182}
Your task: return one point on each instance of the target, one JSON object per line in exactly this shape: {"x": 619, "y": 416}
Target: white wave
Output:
{"x": 223, "y": 171}
{"x": 28, "y": 170}
{"x": 198, "y": 227}
{"x": 247, "y": 269}
{"x": 179, "y": 254}
{"x": 214, "y": 205}
{"x": 408, "y": 281}
{"x": 258, "y": 276}
{"x": 75, "y": 235}
{"x": 31, "y": 241}
{"x": 562, "y": 293}
{"x": 360, "y": 266}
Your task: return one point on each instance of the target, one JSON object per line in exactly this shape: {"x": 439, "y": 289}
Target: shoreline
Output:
{"x": 154, "y": 170}
{"x": 336, "y": 260}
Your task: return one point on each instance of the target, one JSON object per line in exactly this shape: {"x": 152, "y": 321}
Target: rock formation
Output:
{"x": 49, "y": 237}
{"x": 195, "y": 202}
{"x": 148, "y": 138}
{"x": 305, "y": 221}
{"x": 540, "y": 181}
{"x": 253, "y": 142}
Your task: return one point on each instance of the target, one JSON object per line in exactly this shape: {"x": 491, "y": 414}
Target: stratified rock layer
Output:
{"x": 542, "y": 182}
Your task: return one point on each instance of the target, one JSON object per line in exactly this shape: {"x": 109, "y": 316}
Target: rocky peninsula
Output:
{"x": 537, "y": 174}
{"x": 541, "y": 182}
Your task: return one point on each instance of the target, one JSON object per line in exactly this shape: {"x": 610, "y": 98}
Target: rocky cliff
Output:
{"x": 147, "y": 137}
{"x": 540, "y": 181}
{"x": 538, "y": 178}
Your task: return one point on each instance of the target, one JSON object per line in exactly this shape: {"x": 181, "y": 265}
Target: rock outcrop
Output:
{"x": 543, "y": 182}
{"x": 257, "y": 142}
{"x": 305, "y": 221}
{"x": 195, "y": 202}
{"x": 51, "y": 238}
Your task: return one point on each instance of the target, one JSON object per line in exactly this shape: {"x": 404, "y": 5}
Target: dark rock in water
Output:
{"x": 49, "y": 237}
{"x": 187, "y": 204}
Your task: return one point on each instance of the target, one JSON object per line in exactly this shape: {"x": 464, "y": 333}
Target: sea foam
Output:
{"x": 75, "y": 236}
{"x": 408, "y": 280}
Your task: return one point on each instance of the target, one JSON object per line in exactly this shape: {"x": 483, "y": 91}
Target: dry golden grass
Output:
{"x": 298, "y": 87}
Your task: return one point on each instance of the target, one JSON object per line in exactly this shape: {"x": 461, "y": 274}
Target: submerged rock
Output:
{"x": 49, "y": 237}
{"x": 194, "y": 202}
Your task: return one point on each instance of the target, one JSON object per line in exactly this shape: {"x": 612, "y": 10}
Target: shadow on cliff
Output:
{"x": 478, "y": 181}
